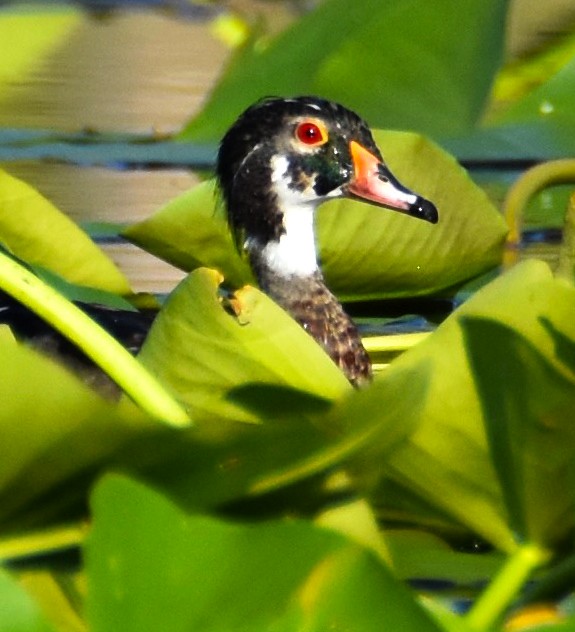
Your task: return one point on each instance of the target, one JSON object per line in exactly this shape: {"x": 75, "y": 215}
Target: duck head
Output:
{"x": 282, "y": 158}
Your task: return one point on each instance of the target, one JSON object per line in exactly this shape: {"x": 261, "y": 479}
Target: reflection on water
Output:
{"x": 128, "y": 72}
{"x": 134, "y": 71}
{"x": 120, "y": 72}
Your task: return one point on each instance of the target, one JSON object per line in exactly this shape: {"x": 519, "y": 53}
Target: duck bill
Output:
{"x": 374, "y": 182}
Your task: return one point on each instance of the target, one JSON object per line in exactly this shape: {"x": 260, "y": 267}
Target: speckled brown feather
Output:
{"x": 319, "y": 312}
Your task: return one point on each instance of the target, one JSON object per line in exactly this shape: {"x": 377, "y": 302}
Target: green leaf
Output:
{"x": 38, "y": 233}
{"x": 302, "y": 440}
{"x": 202, "y": 351}
{"x": 541, "y": 124}
{"x": 445, "y": 617}
{"x": 451, "y": 417}
{"x": 18, "y": 613}
{"x": 548, "y": 107}
{"x": 365, "y": 252}
{"x": 401, "y": 64}
{"x": 528, "y": 400}
{"x": 279, "y": 575}
{"x": 26, "y": 37}
{"x": 191, "y": 232}
{"x": 58, "y": 592}
{"x": 66, "y": 435}
{"x": 97, "y": 344}
{"x": 53, "y": 428}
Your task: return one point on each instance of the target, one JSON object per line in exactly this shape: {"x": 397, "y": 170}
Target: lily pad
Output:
{"x": 402, "y": 64}
{"x": 528, "y": 402}
{"x": 19, "y": 613}
{"x": 27, "y": 37}
{"x": 541, "y": 125}
{"x": 276, "y": 575}
{"x": 191, "y": 232}
{"x": 53, "y": 427}
{"x": 366, "y": 252}
{"x": 35, "y": 231}
{"x": 203, "y": 350}
{"x": 447, "y": 461}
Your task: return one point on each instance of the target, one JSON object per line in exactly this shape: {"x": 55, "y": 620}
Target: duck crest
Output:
{"x": 276, "y": 164}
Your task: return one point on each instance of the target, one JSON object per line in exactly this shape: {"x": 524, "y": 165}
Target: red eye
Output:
{"x": 311, "y": 133}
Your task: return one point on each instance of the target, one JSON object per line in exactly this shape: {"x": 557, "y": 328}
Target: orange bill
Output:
{"x": 374, "y": 182}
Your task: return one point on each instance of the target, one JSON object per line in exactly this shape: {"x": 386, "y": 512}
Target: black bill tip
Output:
{"x": 424, "y": 209}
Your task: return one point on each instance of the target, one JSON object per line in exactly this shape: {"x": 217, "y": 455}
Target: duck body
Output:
{"x": 278, "y": 162}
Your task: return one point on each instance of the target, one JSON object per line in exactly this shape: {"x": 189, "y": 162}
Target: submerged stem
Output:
{"x": 130, "y": 375}
{"x": 497, "y": 597}
{"x": 532, "y": 181}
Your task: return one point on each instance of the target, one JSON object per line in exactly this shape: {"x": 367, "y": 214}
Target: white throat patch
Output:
{"x": 295, "y": 252}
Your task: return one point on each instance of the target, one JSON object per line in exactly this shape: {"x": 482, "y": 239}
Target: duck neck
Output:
{"x": 292, "y": 254}
{"x": 286, "y": 269}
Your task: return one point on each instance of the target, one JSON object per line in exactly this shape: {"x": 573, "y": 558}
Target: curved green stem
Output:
{"x": 41, "y": 542}
{"x": 130, "y": 375}
{"x": 566, "y": 267}
{"x": 497, "y": 597}
{"x": 532, "y": 181}
{"x": 394, "y": 342}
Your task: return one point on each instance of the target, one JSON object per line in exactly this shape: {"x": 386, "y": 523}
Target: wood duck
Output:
{"x": 276, "y": 164}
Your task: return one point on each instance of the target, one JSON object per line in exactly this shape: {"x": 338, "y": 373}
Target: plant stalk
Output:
{"x": 130, "y": 375}
{"x": 394, "y": 342}
{"x": 566, "y": 267}
{"x": 41, "y": 542}
{"x": 497, "y": 597}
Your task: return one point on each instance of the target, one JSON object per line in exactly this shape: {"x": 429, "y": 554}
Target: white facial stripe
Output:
{"x": 286, "y": 195}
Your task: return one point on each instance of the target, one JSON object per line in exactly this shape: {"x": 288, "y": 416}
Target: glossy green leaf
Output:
{"x": 191, "y": 232}
{"x": 150, "y": 566}
{"x": 53, "y": 428}
{"x": 528, "y": 403}
{"x": 365, "y": 251}
{"x": 202, "y": 350}
{"x": 18, "y": 612}
{"x": 401, "y": 64}
{"x": 36, "y": 232}
{"x": 525, "y": 72}
{"x": 447, "y": 461}
{"x": 57, "y": 435}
